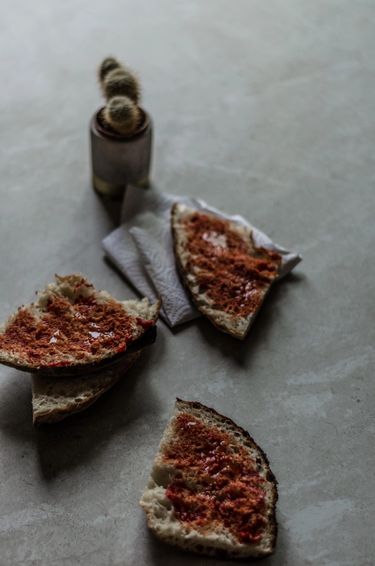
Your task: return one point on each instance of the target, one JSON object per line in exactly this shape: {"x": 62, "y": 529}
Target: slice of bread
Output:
{"x": 54, "y": 399}
{"x": 227, "y": 276}
{"x": 211, "y": 488}
{"x": 74, "y": 329}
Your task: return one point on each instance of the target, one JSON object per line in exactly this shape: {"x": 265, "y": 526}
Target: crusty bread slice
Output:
{"x": 227, "y": 276}
{"x": 54, "y": 399}
{"x": 74, "y": 329}
{"x": 211, "y": 489}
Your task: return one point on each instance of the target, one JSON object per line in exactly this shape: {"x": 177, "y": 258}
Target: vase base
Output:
{"x": 108, "y": 190}
{"x": 144, "y": 183}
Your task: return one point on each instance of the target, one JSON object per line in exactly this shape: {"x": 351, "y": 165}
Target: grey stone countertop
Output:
{"x": 262, "y": 108}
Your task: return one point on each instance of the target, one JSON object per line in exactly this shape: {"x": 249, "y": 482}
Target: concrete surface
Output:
{"x": 266, "y": 108}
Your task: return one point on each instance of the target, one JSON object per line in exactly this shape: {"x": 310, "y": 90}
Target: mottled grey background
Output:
{"x": 261, "y": 108}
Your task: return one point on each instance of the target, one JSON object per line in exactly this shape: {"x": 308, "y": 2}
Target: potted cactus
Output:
{"x": 121, "y": 133}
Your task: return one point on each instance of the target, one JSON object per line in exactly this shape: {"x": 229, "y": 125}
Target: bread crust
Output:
{"x": 225, "y": 326}
{"x": 188, "y": 539}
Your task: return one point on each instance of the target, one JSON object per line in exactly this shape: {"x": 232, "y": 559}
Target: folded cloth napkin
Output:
{"x": 142, "y": 249}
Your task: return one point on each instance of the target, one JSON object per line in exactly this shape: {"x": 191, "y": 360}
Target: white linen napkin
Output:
{"x": 141, "y": 248}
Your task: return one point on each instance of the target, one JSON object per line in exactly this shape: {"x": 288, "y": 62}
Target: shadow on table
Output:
{"x": 131, "y": 201}
{"x": 241, "y": 350}
{"x": 162, "y": 554}
{"x": 112, "y": 206}
{"x": 76, "y": 441}
{"x": 15, "y": 407}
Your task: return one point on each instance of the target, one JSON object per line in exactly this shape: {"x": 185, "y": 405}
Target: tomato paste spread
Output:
{"x": 228, "y": 268}
{"x": 216, "y": 483}
{"x": 70, "y": 332}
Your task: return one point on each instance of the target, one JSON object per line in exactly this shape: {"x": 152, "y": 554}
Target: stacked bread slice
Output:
{"x": 211, "y": 488}
{"x": 54, "y": 399}
{"x": 77, "y": 342}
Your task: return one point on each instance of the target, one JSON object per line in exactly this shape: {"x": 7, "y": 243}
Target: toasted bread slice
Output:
{"x": 211, "y": 489}
{"x": 227, "y": 276}
{"x": 54, "y": 399}
{"x": 74, "y": 329}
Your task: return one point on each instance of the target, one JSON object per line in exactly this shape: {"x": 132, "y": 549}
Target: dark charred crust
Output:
{"x": 249, "y": 441}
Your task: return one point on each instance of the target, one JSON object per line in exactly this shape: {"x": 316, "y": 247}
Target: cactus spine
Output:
{"x": 122, "y": 115}
{"x": 120, "y": 82}
{"x": 107, "y": 65}
{"x": 122, "y": 92}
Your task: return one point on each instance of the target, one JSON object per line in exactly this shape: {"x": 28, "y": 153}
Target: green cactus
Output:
{"x": 120, "y": 82}
{"x": 107, "y": 65}
{"x": 122, "y": 114}
{"x": 122, "y": 92}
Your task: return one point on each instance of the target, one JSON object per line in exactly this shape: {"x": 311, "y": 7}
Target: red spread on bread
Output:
{"x": 231, "y": 271}
{"x": 216, "y": 483}
{"x": 78, "y": 329}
